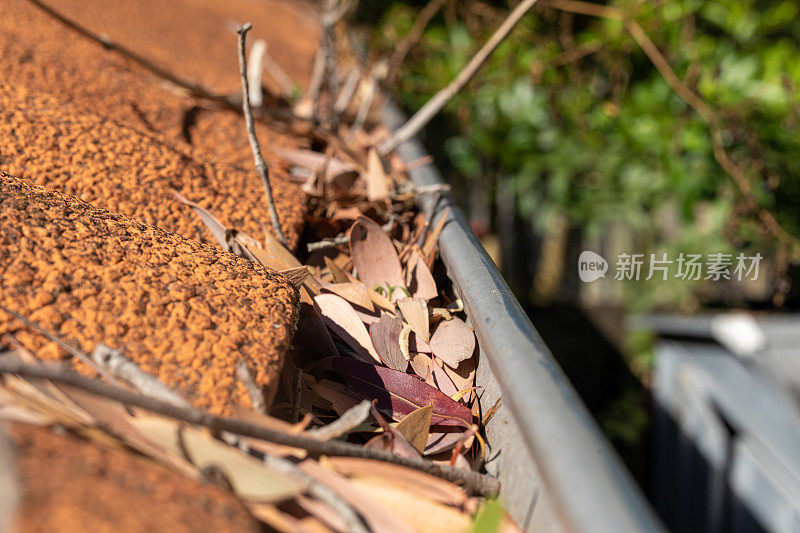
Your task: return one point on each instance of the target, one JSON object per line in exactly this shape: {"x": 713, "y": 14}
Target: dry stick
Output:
{"x": 413, "y": 37}
{"x": 440, "y": 99}
{"x": 363, "y": 111}
{"x": 193, "y": 88}
{"x": 261, "y": 165}
{"x": 473, "y": 482}
{"x": 343, "y": 239}
{"x": 693, "y": 100}
{"x": 253, "y": 390}
{"x": 123, "y": 368}
{"x": 52, "y": 337}
{"x": 347, "y": 92}
{"x": 279, "y": 75}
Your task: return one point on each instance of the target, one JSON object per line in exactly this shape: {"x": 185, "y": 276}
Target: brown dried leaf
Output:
{"x": 217, "y": 228}
{"x": 296, "y": 275}
{"x": 427, "y": 485}
{"x": 379, "y": 518}
{"x": 337, "y": 273}
{"x": 416, "y": 427}
{"x": 419, "y": 278}
{"x": 415, "y": 312}
{"x": 415, "y": 509}
{"x": 463, "y": 375}
{"x": 421, "y": 364}
{"x": 377, "y": 181}
{"x": 453, "y": 342}
{"x": 374, "y": 255}
{"x": 336, "y": 394}
{"x": 442, "y": 380}
{"x": 429, "y": 248}
{"x": 354, "y": 292}
{"x": 385, "y": 334}
{"x": 341, "y": 319}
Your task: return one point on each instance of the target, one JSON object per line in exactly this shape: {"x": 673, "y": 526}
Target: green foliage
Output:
{"x": 605, "y": 139}
{"x": 489, "y": 518}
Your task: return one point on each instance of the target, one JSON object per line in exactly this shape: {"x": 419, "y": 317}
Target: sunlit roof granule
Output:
{"x": 130, "y": 172}
{"x": 182, "y": 310}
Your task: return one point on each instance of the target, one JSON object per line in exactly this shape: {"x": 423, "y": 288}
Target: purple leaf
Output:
{"x": 397, "y": 394}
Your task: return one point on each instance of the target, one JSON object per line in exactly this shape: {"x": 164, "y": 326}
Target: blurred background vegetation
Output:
{"x": 571, "y": 138}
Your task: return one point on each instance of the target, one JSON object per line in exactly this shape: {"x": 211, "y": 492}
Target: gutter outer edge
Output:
{"x": 591, "y": 488}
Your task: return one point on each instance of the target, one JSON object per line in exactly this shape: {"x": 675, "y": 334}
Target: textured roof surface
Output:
{"x": 182, "y": 310}
{"x": 43, "y": 55}
{"x": 68, "y": 484}
{"x": 131, "y": 172}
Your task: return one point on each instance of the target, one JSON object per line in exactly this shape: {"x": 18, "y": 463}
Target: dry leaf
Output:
{"x": 421, "y": 513}
{"x": 421, "y": 364}
{"x": 337, "y": 273}
{"x": 248, "y": 476}
{"x": 315, "y": 161}
{"x": 416, "y": 427}
{"x": 453, "y": 342}
{"x": 377, "y": 181}
{"x": 442, "y": 380}
{"x": 415, "y": 312}
{"x": 463, "y": 376}
{"x": 374, "y": 255}
{"x": 354, "y": 292}
{"x": 218, "y": 230}
{"x": 427, "y": 485}
{"x": 341, "y": 319}
{"x": 419, "y": 279}
{"x": 379, "y": 518}
{"x": 336, "y": 394}
{"x": 296, "y": 275}
{"x": 385, "y": 334}
{"x": 429, "y": 248}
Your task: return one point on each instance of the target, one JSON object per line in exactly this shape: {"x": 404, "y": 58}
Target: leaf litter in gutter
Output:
{"x": 396, "y": 393}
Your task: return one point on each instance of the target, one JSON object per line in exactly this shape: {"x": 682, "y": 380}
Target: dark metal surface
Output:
{"x": 582, "y": 477}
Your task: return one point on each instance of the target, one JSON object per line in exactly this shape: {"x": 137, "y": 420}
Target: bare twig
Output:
{"x": 351, "y": 419}
{"x": 343, "y": 239}
{"x": 261, "y": 165}
{"x": 52, "y": 337}
{"x": 473, "y": 482}
{"x": 440, "y": 99}
{"x": 123, "y": 368}
{"x": 193, "y": 88}
{"x": 376, "y": 74}
{"x": 323, "y": 493}
{"x": 347, "y": 92}
{"x": 245, "y": 375}
{"x": 423, "y": 18}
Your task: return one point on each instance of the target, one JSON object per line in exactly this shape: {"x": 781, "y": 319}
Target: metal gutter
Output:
{"x": 581, "y": 475}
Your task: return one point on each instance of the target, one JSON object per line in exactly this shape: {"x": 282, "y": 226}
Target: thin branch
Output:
{"x": 279, "y": 75}
{"x": 376, "y": 74}
{"x": 440, "y": 99}
{"x": 193, "y": 88}
{"x": 413, "y": 37}
{"x": 123, "y": 368}
{"x": 261, "y": 165}
{"x": 473, "y": 482}
{"x": 245, "y": 375}
{"x": 343, "y": 239}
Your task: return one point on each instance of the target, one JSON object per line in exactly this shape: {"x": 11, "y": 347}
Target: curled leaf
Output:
{"x": 374, "y": 255}
{"x": 341, "y": 319}
{"x": 385, "y": 334}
